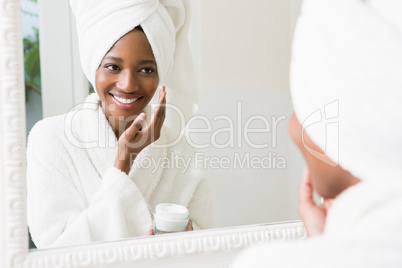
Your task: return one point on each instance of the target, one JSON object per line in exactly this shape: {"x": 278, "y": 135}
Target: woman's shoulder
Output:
{"x": 47, "y": 127}
{"x": 55, "y": 129}
{"x": 45, "y": 136}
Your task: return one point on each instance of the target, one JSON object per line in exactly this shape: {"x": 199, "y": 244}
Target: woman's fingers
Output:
{"x": 160, "y": 114}
{"x": 132, "y": 131}
{"x": 151, "y": 230}
{"x": 155, "y": 126}
{"x": 306, "y": 190}
{"x": 189, "y": 226}
{"x": 313, "y": 216}
{"x": 327, "y": 203}
{"x": 152, "y": 131}
{"x": 161, "y": 107}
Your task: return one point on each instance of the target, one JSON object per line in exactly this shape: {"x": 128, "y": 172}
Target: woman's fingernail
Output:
{"x": 141, "y": 116}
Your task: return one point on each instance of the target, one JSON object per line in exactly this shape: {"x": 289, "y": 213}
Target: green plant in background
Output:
{"x": 27, "y": 12}
{"x": 35, "y": 1}
{"x": 32, "y": 59}
{"x": 32, "y": 64}
{"x": 91, "y": 88}
{"x": 32, "y": 71}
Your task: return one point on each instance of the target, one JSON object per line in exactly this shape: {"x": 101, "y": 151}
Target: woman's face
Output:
{"x": 127, "y": 77}
{"x": 328, "y": 181}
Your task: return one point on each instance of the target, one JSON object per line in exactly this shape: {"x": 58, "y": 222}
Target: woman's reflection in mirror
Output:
{"x": 97, "y": 173}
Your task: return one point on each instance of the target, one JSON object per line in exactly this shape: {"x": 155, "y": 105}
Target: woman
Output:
{"x": 346, "y": 89}
{"x": 98, "y": 172}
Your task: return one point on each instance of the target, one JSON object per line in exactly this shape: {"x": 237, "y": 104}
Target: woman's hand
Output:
{"x": 134, "y": 140}
{"x": 189, "y": 227}
{"x": 313, "y": 216}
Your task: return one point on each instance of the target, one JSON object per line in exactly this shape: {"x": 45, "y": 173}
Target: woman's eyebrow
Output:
{"x": 147, "y": 62}
{"x": 120, "y": 60}
{"x": 114, "y": 59}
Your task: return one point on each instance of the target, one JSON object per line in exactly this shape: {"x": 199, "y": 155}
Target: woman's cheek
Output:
{"x": 101, "y": 79}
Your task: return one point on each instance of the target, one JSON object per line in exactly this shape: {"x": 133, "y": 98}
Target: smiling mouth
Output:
{"x": 124, "y": 100}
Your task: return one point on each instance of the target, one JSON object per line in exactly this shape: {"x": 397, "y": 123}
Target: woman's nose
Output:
{"x": 127, "y": 82}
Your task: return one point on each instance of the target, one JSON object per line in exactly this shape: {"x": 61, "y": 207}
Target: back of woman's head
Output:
{"x": 346, "y": 83}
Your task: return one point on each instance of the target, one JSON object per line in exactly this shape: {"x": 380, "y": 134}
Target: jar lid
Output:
{"x": 172, "y": 211}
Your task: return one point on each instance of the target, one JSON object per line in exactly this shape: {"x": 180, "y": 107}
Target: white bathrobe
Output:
{"x": 75, "y": 195}
{"x": 363, "y": 229}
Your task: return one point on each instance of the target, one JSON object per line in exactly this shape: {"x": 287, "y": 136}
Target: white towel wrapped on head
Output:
{"x": 347, "y": 65}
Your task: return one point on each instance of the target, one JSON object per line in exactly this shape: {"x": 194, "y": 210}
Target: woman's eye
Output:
{"x": 147, "y": 70}
{"x": 112, "y": 67}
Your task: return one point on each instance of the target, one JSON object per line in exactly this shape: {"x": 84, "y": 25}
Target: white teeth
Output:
{"x": 125, "y": 101}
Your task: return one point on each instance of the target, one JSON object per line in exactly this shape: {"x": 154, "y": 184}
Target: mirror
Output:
{"x": 209, "y": 248}
{"x": 242, "y": 65}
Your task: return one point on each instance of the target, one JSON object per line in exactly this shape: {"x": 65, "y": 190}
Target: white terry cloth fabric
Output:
{"x": 166, "y": 23}
{"x": 76, "y": 196}
{"x": 346, "y": 76}
{"x": 363, "y": 230}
